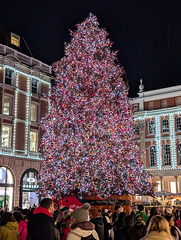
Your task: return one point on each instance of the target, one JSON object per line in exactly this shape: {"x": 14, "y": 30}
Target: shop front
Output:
{"x": 28, "y": 189}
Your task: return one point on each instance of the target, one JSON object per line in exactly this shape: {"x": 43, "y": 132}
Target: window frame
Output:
{"x": 179, "y": 157}
{"x": 10, "y": 106}
{"x": 150, "y": 157}
{"x": 165, "y": 120}
{"x": 10, "y": 137}
{"x": 7, "y": 78}
{"x": 177, "y": 124}
{"x": 167, "y": 160}
{"x": 36, "y": 142}
{"x": 35, "y": 87}
{"x": 151, "y": 121}
{"x": 36, "y": 113}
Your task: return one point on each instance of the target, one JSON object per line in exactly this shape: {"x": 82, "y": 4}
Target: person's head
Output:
{"x": 159, "y": 224}
{"x": 81, "y": 214}
{"x": 7, "y": 217}
{"x": 18, "y": 216}
{"x": 109, "y": 213}
{"x": 168, "y": 212}
{"x": 48, "y": 204}
{"x": 170, "y": 220}
{"x": 129, "y": 220}
{"x": 116, "y": 207}
{"x": 94, "y": 213}
{"x": 153, "y": 211}
{"x": 120, "y": 210}
{"x": 140, "y": 207}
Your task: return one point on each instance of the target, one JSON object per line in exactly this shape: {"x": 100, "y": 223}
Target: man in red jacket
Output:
{"x": 41, "y": 224}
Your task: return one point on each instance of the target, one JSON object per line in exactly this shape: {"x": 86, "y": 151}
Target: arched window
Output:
{"x": 6, "y": 187}
{"x": 165, "y": 126}
{"x": 179, "y": 153}
{"x": 151, "y": 128}
{"x": 152, "y": 156}
{"x": 178, "y": 124}
{"x": 166, "y": 155}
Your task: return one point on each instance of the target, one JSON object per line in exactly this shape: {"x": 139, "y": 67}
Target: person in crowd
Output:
{"x": 116, "y": 213}
{"x": 153, "y": 212}
{"x": 120, "y": 222}
{"x": 22, "y": 225}
{"x": 97, "y": 221}
{"x": 66, "y": 224}
{"x": 56, "y": 212}
{"x": 176, "y": 234}
{"x": 140, "y": 211}
{"x": 128, "y": 232}
{"x": 81, "y": 228}
{"x": 108, "y": 225}
{"x": 140, "y": 225}
{"x": 158, "y": 229}
{"x": 41, "y": 225}
{"x": 9, "y": 227}
{"x": 175, "y": 213}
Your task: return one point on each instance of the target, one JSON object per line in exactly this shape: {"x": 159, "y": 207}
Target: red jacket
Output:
{"x": 23, "y": 230}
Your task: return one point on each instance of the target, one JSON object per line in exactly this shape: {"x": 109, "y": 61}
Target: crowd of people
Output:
{"x": 48, "y": 222}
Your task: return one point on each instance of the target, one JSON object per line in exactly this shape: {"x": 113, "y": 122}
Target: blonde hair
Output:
{"x": 158, "y": 223}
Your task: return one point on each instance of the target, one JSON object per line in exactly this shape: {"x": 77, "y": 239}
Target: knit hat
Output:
{"x": 81, "y": 214}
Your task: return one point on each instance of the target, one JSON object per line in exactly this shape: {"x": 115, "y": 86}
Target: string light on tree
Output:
{"x": 89, "y": 142}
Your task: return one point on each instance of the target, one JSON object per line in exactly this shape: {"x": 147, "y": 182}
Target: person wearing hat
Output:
{"x": 81, "y": 228}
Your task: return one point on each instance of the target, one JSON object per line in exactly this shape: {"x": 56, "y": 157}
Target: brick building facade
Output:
{"x": 23, "y": 82}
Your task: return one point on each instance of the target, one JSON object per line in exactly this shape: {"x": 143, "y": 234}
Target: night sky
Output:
{"x": 147, "y": 33}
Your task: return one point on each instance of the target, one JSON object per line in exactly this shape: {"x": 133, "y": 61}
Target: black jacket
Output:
{"x": 99, "y": 226}
{"x": 127, "y": 233}
{"x": 41, "y": 227}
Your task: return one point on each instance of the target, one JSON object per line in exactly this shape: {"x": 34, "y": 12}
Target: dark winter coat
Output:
{"x": 99, "y": 226}
{"x": 127, "y": 233}
{"x": 41, "y": 225}
{"x": 107, "y": 227}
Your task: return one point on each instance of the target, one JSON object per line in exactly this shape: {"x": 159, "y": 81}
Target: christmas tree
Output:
{"x": 89, "y": 142}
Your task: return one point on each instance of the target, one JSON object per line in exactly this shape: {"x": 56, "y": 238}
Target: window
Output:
{"x": 166, "y": 155}
{"x": 15, "y": 39}
{"x": 178, "y": 124}
{"x": 6, "y": 136}
{"x": 179, "y": 153}
{"x": 33, "y": 112}
{"x": 7, "y": 106}
{"x": 135, "y": 107}
{"x": 34, "y": 86}
{"x": 178, "y": 101}
{"x": 33, "y": 141}
{"x": 165, "y": 126}
{"x": 150, "y": 105}
{"x": 152, "y": 156}
{"x": 8, "y": 76}
{"x": 164, "y": 103}
{"x": 136, "y": 130}
{"x": 151, "y": 127}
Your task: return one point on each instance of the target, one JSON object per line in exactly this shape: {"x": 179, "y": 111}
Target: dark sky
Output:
{"x": 147, "y": 33}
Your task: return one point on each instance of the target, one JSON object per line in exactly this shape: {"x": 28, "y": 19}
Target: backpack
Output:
{"x": 90, "y": 237}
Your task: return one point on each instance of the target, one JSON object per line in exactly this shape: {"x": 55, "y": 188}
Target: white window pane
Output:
{"x": 33, "y": 141}
{"x": 6, "y": 136}
{"x": 33, "y": 112}
{"x": 6, "y": 106}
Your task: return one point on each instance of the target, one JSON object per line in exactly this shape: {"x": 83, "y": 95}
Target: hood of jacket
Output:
{"x": 23, "y": 224}
{"x": 86, "y": 225}
{"x": 12, "y": 225}
{"x": 155, "y": 235}
{"x": 97, "y": 220}
{"x": 42, "y": 210}
{"x": 83, "y": 229}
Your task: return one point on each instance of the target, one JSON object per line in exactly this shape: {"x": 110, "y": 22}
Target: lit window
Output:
{"x": 8, "y": 76}
{"x": 33, "y": 141}
{"x": 34, "y": 88}
{"x": 178, "y": 124}
{"x": 6, "y": 136}
{"x": 164, "y": 103}
{"x": 166, "y": 155}
{"x": 165, "y": 126}
{"x": 33, "y": 112}
{"x": 7, "y": 106}
{"x": 152, "y": 156}
{"x": 178, "y": 101}
{"x": 179, "y": 153}
{"x": 150, "y": 105}
{"x": 151, "y": 127}
{"x": 15, "y": 39}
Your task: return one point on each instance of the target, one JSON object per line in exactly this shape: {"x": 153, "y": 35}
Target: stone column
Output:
{"x": 176, "y": 183}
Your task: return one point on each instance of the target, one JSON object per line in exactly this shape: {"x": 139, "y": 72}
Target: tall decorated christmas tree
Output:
{"x": 89, "y": 142}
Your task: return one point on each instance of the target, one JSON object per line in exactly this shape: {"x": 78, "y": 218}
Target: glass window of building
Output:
{"x": 8, "y": 76}
{"x": 6, "y": 188}
{"x": 15, "y": 39}
{"x": 33, "y": 112}
{"x": 164, "y": 103}
{"x": 33, "y": 141}
{"x": 151, "y": 127}
{"x": 178, "y": 124}
{"x": 34, "y": 87}
{"x": 166, "y": 155}
{"x": 152, "y": 156}
{"x": 6, "y": 136}
{"x": 150, "y": 105}
{"x": 165, "y": 126}
{"x": 136, "y": 129}
{"x": 178, "y": 100}
{"x": 179, "y": 153}
{"x": 135, "y": 107}
{"x": 7, "y": 106}
{"x": 29, "y": 186}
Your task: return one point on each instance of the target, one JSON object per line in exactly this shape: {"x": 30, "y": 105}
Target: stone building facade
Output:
{"x": 24, "y": 81}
